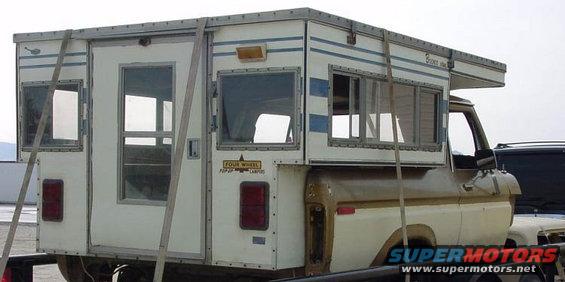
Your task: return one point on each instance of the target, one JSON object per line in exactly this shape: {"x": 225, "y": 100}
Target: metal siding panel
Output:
{"x": 239, "y": 249}
{"x": 253, "y": 41}
{"x": 70, "y": 235}
{"x": 318, "y": 149}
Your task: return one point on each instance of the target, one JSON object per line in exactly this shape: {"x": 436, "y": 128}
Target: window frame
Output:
{"x": 352, "y": 76}
{"x": 438, "y": 115}
{"x": 80, "y": 107}
{"x": 479, "y": 137}
{"x": 122, "y": 133}
{"x": 363, "y": 141}
{"x": 221, "y": 145}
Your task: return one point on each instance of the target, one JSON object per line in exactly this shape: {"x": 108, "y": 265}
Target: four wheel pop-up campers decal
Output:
{"x": 241, "y": 165}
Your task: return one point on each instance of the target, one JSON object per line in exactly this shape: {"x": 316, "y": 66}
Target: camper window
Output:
{"x": 345, "y": 106}
{"x": 258, "y": 108}
{"x": 63, "y": 125}
{"x": 147, "y": 123}
{"x": 360, "y": 111}
{"x": 405, "y": 108}
{"x": 429, "y": 116}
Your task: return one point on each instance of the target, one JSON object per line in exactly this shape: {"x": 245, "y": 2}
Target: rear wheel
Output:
{"x": 127, "y": 273}
{"x": 71, "y": 268}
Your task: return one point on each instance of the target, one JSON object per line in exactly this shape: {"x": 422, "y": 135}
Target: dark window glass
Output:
{"x": 372, "y": 93}
{"x": 428, "y": 117}
{"x": 360, "y": 109}
{"x": 63, "y": 124}
{"x": 345, "y": 106}
{"x": 146, "y": 169}
{"x": 258, "y": 108}
{"x": 539, "y": 172}
{"x": 404, "y": 99}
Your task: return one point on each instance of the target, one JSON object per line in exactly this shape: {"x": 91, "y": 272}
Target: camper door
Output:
{"x": 137, "y": 97}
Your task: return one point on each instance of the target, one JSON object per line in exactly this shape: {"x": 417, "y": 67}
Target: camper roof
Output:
{"x": 188, "y": 25}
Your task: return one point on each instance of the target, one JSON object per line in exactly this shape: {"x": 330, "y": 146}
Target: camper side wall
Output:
{"x": 421, "y": 78}
{"x": 63, "y": 153}
{"x": 259, "y": 127}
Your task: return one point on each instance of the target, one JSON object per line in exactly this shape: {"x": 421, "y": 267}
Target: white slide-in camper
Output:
{"x": 289, "y": 160}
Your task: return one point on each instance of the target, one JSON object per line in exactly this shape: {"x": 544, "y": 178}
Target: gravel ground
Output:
{"x": 24, "y": 243}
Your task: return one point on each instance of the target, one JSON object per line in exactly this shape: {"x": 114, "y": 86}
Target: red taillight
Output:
{"x": 253, "y": 205}
{"x": 52, "y": 200}
{"x": 345, "y": 210}
{"x": 7, "y": 277}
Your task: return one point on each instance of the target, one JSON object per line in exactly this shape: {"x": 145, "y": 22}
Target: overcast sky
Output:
{"x": 529, "y": 36}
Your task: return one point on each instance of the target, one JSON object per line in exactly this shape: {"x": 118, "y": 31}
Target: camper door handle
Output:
{"x": 193, "y": 150}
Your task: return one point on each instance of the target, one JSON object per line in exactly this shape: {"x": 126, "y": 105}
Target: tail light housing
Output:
{"x": 317, "y": 222}
{"x": 52, "y": 200}
{"x": 345, "y": 210}
{"x": 7, "y": 277}
{"x": 254, "y": 205}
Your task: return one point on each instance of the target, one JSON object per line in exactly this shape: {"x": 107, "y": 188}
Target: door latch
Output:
{"x": 496, "y": 187}
{"x": 193, "y": 150}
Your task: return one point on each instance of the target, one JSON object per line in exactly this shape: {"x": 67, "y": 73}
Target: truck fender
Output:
{"x": 418, "y": 235}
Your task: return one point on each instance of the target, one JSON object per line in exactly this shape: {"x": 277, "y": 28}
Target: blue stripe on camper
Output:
{"x": 53, "y": 65}
{"x": 274, "y": 50}
{"x": 282, "y": 50}
{"x": 223, "y": 54}
{"x": 318, "y": 123}
{"x": 345, "y": 46}
{"x": 70, "y": 54}
{"x": 346, "y": 57}
{"x": 421, "y": 73}
{"x": 321, "y": 40}
{"x": 376, "y": 63}
{"x": 319, "y": 87}
{"x": 261, "y": 40}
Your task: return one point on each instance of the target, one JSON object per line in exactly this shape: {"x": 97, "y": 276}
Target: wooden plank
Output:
{"x": 179, "y": 151}
{"x": 45, "y": 113}
{"x": 392, "y": 102}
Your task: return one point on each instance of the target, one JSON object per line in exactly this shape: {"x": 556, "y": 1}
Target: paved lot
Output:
{"x": 24, "y": 242}
{"x": 29, "y": 213}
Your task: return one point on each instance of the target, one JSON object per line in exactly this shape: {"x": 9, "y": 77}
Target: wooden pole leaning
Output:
{"x": 179, "y": 150}
{"x": 45, "y": 113}
{"x": 392, "y": 102}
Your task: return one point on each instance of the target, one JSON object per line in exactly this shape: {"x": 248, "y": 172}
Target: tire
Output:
{"x": 71, "y": 268}
{"x": 132, "y": 274}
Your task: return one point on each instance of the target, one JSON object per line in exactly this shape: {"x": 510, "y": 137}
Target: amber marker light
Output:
{"x": 255, "y": 53}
